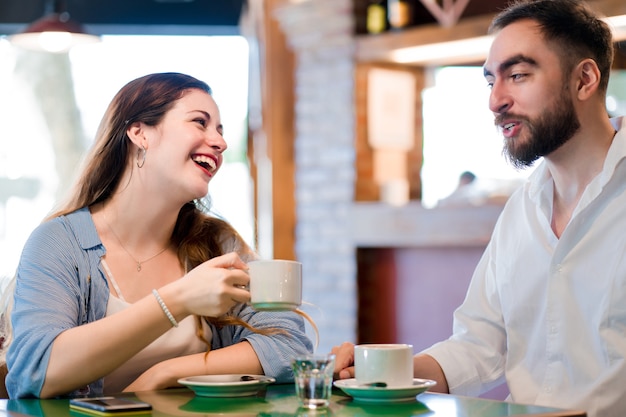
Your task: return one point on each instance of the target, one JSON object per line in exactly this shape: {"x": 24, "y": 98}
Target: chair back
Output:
{"x": 3, "y": 374}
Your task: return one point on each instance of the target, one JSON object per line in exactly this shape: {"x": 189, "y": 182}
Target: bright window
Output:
{"x": 460, "y": 135}
{"x": 28, "y": 178}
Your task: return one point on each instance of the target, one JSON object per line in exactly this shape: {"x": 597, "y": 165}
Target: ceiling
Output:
{"x": 177, "y": 17}
{"x": 196, "y": 17}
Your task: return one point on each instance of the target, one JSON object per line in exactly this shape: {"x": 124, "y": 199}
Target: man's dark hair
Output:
{"x": 574, "y": 30}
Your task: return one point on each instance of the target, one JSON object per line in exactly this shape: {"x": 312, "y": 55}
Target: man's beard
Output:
{"x": 547, "y": 133}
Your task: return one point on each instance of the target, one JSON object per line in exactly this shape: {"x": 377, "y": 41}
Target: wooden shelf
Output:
{"x": 380, "y": 48}
{"x": 379, "y": 225}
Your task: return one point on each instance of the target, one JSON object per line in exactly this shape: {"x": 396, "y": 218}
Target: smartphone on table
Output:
{"x": 109, "y": 406}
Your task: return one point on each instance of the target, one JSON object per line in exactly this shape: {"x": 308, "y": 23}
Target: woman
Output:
{"x": 100, "y": 305}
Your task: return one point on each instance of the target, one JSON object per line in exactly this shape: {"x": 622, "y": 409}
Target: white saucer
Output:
{"x": 380, "y": 394}
{"x": 233, "y": 385}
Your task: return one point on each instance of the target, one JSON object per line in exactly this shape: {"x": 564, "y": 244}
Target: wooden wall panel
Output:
{"x": 366, "y": 186}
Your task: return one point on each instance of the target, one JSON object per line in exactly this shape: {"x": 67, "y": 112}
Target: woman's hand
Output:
{"x": 213, "y": 287}
{"x": 344, "y": 360}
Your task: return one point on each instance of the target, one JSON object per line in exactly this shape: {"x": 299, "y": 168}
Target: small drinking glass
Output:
{"x": 313, "y": 376}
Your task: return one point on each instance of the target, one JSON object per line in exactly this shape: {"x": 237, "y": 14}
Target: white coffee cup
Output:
{"x": 389, "y": 363}
{"x": 275, "y": 285}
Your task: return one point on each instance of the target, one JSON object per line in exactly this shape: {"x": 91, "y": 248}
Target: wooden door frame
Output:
{"x": 271, "y": 150}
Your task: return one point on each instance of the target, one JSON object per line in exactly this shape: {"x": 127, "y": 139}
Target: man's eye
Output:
{"x": 517, "y": 77}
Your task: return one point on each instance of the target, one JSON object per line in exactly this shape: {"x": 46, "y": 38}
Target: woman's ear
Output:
{"x": 588, "y": 77}
{"x": 136, "y": 133}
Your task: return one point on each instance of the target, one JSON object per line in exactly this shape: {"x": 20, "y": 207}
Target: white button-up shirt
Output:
{"x": 549, "y": 314}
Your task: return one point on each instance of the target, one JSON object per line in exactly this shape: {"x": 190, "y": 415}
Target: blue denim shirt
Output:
{"x": 60, "y": 285}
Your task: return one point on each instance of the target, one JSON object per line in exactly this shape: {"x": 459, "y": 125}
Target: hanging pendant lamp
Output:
{"x": 54, "y": 32}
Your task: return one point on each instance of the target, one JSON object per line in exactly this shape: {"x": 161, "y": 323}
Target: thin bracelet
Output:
{"x": 164, "y": 308}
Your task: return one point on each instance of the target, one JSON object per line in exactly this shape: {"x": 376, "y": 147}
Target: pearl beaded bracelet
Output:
{"x": 164, "y": 308}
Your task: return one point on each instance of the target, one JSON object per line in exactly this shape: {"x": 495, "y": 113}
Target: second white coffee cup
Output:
{"x": 391, "y": 364}
{"x": 275, "y": 284}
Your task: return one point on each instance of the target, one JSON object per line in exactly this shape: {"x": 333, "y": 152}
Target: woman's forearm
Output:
{"x": 85, "y": 353}
{"x": 239, "y": 358}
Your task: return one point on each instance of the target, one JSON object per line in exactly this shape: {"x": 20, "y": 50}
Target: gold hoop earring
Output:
{"x": 141, "y": 156}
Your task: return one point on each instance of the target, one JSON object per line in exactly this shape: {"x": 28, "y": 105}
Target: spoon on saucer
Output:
{"x": 374, "y": 384}
{"x": 249, "y": 378}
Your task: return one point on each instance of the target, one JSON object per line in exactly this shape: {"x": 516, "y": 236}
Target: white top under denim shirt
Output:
{"x": 549, "y": 314}
{"x": 60, "y": 284}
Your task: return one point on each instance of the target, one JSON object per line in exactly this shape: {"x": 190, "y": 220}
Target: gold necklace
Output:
{"x": 126, "y": 250}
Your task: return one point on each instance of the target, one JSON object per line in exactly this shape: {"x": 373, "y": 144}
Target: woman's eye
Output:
{"x": 202, "y": 122}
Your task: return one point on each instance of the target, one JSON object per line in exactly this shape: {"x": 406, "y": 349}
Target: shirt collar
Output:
{"x": 84, "y": 228}
{"x": 540, "y": 181}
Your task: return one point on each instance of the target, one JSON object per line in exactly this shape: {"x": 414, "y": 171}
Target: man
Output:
{"x": 546, "y": 307}
{"x": 466, "y": 193}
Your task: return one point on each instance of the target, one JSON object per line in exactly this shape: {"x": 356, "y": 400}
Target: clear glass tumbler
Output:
{"x": 313, "y": 376}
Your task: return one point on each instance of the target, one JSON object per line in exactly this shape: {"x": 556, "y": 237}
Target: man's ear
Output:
{"x": 136, "y": 133}
{"x": 588, "y": 77}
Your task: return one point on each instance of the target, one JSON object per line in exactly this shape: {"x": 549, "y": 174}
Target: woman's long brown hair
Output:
{"x": 202, "y": 239}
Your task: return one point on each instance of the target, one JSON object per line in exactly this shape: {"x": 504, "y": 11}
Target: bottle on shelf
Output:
{"x": 399, "y": 13}
{"x": 376, "y": 16}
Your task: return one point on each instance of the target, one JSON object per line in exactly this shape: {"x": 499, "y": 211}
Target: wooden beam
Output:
{"x": 449, "y": 14}
{"x": 272, "y": 146}
{"x": 279, "y": 112}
